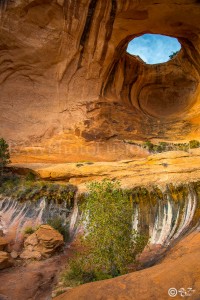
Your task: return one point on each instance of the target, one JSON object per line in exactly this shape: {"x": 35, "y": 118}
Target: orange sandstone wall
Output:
{"x": 68, "y": 89}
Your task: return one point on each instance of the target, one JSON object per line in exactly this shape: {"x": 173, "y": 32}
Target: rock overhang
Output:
{"x": 65, "y": 71}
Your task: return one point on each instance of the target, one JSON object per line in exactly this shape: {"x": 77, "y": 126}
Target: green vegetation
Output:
{"x": 173, "y": 54}
{"x": 57, "y": 224}
{"x": 26, "y": 188}
{"x": 30, "y": 229}
{"x": 31, "y": 176}
{"x": 4, "y": 155}
{"x": 110, "y": 243}
{"x": 194, "y": 144}
{"x": 164, "y": 146}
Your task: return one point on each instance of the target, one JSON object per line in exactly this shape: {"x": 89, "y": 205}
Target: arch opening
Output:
{"x": 154, "y": 48}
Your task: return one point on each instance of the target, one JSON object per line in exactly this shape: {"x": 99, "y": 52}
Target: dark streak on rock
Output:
{"x": 109, "y": 27}
{"x": 88, "y": 23}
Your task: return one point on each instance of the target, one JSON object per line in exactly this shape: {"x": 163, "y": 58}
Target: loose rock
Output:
{"x": 42, "y": 244}
{"x": 3, "y": 243}
{"x": 5, "y": 260}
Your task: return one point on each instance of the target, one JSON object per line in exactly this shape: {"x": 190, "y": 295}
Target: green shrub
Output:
{"x": 30, "y": 189}
{"x": 148, "y": 145}
{"x": 31, "y": 176}
{"x": 111, "y": 243}
{"x": 4, "y": 155}
{"x": 182, "y": 147}
{"x": 30, "y": 230}
{"x": 81, "y": 270}
{"x": 194, "y": 144}
{"x": 57, "y": 224}
{"x": 164, "y": 146}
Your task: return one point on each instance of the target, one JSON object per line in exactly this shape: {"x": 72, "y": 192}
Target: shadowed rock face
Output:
{"x": 66, "y": 77}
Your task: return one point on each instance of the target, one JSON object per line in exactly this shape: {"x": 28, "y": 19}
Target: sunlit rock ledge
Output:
{"x": 158, "y": 169}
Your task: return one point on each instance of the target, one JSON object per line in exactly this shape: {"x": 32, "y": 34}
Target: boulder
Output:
{"x": 14, "y": 254}
{"x": 43, "y": 243}
{"x": 5, "y": 260}
{"x": 3, "y": 243}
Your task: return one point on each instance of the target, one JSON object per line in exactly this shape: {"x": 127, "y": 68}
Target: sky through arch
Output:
{"x": 153, "y": 48}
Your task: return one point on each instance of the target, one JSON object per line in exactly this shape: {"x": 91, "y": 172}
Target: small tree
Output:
{"x": 4, "y": 155}
{"x": 173, "y": 54}
{"x": 108, "y": 221}
{"x": 111, "y": 243}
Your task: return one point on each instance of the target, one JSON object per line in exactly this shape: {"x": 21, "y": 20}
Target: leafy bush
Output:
{"x": 4, "y": 155}
{"x": 81, "y": 271}
{"x": 163, "y": 146}
{"x": 33, "y": 190}
{"x": 182, "y": 147}
{"x": 110, "y": 242}
{"x": 30, "y": 230}
{"x": 194, "y": 144}
{"x": 57, "y": 224}
{"x": 148, "y": 145}
{"x": 31, "y": 176}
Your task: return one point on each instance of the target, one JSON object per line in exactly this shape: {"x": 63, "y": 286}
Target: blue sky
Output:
{"x": 153, "y": 48}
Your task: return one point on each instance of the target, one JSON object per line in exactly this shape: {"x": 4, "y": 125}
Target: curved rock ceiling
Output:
{"x": 65, "y": 76}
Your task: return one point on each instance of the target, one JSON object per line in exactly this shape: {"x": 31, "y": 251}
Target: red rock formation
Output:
{"x": 68, "y": 83}
{"x": 43, "y": 243}
{"x": 5, "y": 260}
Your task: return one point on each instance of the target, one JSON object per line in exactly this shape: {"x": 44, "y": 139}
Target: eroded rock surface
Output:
{"x": 42, "y": 244}
{"x": 3, "y": 243}
{"x": 5, "y": 260}
{"x": 178, "y": 270}
{"x": 159, "y": 169}
{"x": 33, "y": 281}
{"x": 69, "y": 87}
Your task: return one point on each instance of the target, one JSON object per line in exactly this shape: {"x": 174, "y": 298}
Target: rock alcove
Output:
{"x": 164, "y": 91}
{"x": 65, "y": 76}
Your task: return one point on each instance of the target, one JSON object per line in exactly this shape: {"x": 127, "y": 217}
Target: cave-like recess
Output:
{"x": 66, "y": 78}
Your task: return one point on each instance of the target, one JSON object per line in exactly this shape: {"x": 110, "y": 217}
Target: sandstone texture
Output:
{"x": 69, "y": 89}
{"x": 33, "y": 281}
{"x": 5, "y": 260}
{"x": 42, "y": 244}
{"x": 159, "y": 169}
{"x": 179, "y": 269}
{"x": 3, "y": 243}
